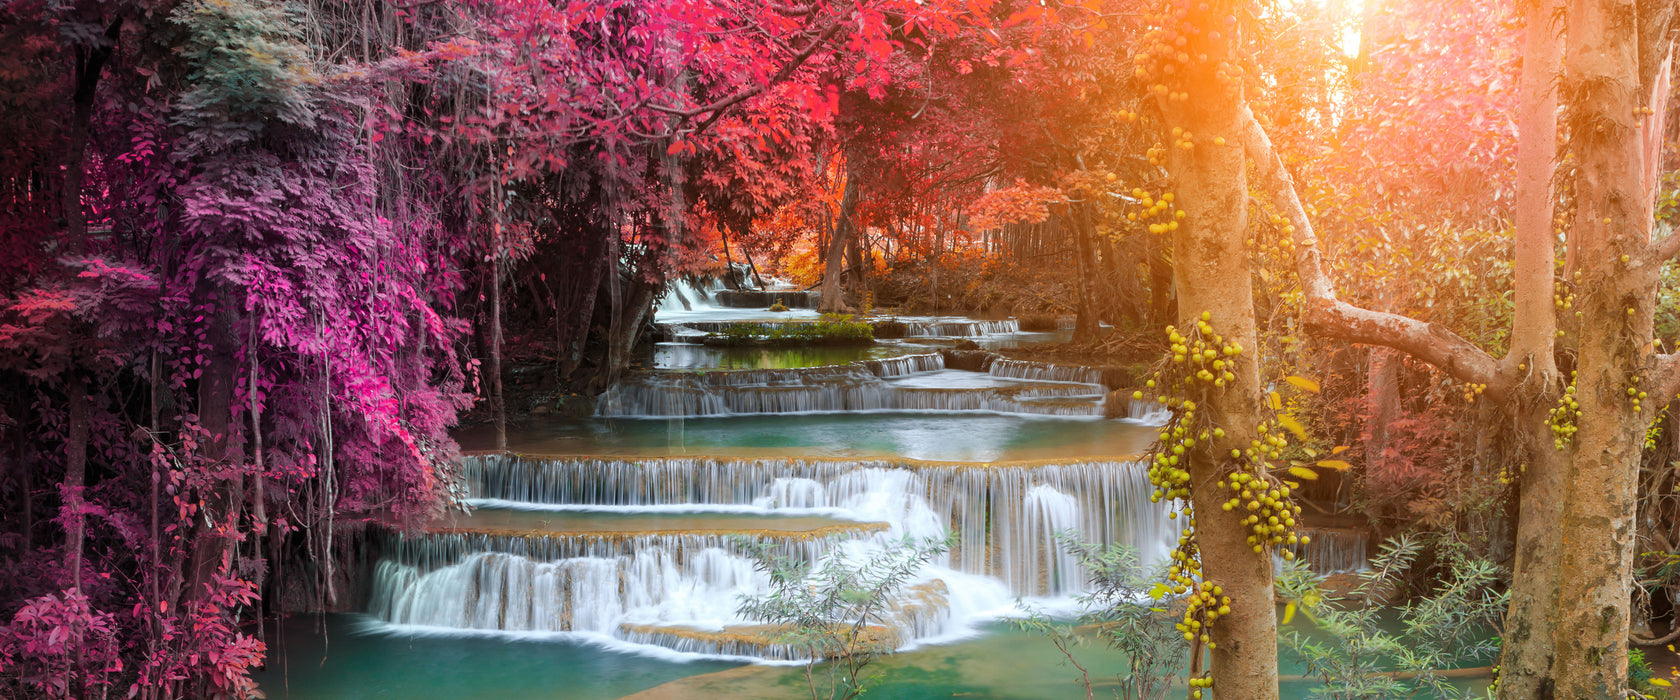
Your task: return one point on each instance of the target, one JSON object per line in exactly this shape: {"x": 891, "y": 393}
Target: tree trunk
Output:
{"x": 75, "y": 473}
{"x": 1212, "y": 273}
{"x": 1526, "y": 653}
{"x": 1161, "y": 311}
{"x": 860, "y": 273}
{"x": 1382, "y": 408}
{"x": 627, "y": 330}
{"x": 89, "y": 68}
{"x": 833, "y": 300}
{"x": 493, "y": 365}
{"x": 574, "y": 339}
{"x": 1617, "y": 299}
{"x": 220, "y": 504}
{"x": 752, "y": 265}
{"x": 729, "y": 280}
{"x": 1085, "y": 318}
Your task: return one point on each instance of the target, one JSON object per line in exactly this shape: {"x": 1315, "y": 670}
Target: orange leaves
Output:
{"x": 1022, "y": 203}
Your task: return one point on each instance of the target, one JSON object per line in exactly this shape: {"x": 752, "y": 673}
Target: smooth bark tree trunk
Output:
{"x": 1616, "y": 295}
{"x": 729, "y": 279}
{"x": 1212, "y": 270}
{"x": 1213, "y": 274}
{"x": 221, "y": 501}
{"x": 860, "y": 273}
{"x": 1161, "y": 310}
{"x": 1382, "y": 407}
{"x": 1526, "y": 653}
{"x": 574, "y": 338}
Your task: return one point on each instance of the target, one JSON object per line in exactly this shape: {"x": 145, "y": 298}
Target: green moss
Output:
{"x": 832, "y": 329}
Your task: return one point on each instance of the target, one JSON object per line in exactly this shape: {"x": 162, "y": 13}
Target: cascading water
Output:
{"x": 1044, "y": 372}
{"x": 1149, "y": 412}
{"x": 913, "y": 327}
{"x": 620, "y": 565}
{"x": 963, "y": 328}
{"x": 870, "y": 385}
{"x": 1334, "y": 551}
{"x": 692, "y": 295}
{"x": 1002, "y": 524}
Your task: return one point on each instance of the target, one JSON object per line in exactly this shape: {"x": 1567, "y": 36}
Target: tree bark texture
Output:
{"x": 1527, "y": 652}
{"x": 1212, "y": 272}
{"x": 1616, "y": 296}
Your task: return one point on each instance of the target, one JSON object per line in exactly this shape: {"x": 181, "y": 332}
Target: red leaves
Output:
{"x": 1022, "y": 203}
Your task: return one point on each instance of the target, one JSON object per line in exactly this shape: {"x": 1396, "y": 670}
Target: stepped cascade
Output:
{"x": 893, "y": 384}
{"x": 652, "y": 550}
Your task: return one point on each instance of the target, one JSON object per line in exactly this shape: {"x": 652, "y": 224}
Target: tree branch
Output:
{"x": 1329, "y": 316}
{"x": 1665, "y": 377}
{"x": 719, "y": 107}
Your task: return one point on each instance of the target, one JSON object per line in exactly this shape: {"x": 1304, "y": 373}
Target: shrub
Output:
{"x": 1119, "y": 608}
{"x": 1451, "y": 626}
{"x": 827, "y": 611}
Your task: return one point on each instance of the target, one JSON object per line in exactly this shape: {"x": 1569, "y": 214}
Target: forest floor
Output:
{"x": 1665, "y": 663}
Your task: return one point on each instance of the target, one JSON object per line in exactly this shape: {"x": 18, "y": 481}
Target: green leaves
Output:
{"x": 246, "y": 60}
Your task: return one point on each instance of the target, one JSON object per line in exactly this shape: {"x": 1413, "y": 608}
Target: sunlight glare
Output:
{"x": 1355, "y": 22}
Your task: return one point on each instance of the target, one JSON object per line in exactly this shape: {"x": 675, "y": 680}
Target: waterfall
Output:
{"x": 1334, "y": 551}
{"x": 1046, "y": 513}
{"x": 1149, "y": 412}
{"x": 680, "y": 589}
{"x": 500, "y": 591}
{"x": 913, "y": 328}
{"x": 1003, "y": 525}
{"x": 691, "y": 295}
{"x": 1045, "y": 372}
{"x": 938, "y": 328}
{"x": 905, "y": 365}
{"x": 859, "y": 386}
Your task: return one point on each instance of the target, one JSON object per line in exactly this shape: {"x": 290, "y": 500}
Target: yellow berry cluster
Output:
{"x": 1282, "y": 246}
{"x": 1159, "y": 209}
{"x": 1473, "y": 390}
{"x": 1271, "y": 515}
{"x": 1563, "y": 417}
{"x": 1205, "y": 604}
{"x": 1183, "y": 139}
{"x": 1202, "y": 366}
{"x": 1562, "y": 298}
{"x": 1633, "y": 392}
{"x": 1157, "y": 155}
{"x": 1197, "y": 684}
{"x": 1174, "y": 45}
